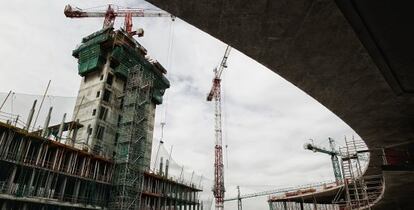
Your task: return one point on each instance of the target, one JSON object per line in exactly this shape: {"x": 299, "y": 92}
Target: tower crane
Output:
{"x": 113, "y": 11}
{"x": 334, "y": 157}
{"x": 215, "y": 93}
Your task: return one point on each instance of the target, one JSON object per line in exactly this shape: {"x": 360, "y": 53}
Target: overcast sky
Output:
{"x": 266, "y": 119}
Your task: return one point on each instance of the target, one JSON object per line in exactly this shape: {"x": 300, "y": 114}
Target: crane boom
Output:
{"x": 76, "y": 12}
{"x": 334, "y": 157}
{"x": 277, "y": 191}
{"x": 113, "y": 11}
{"x": 215, "y": 93}
{"x": 217, "y": 74}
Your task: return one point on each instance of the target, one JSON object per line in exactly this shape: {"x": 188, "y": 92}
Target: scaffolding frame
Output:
{"x": 360, "y": 191}
{"x": 131, "y": 147}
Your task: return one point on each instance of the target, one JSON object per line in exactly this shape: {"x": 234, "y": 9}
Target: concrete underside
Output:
{"x": 352, "y": 56}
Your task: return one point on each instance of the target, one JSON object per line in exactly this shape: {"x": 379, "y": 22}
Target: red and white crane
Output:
{"x": 215, "y": 93}
{"x": 113, "y": 11}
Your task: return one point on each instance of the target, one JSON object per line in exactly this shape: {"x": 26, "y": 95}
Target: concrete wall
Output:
{"x": 90, "y": 113}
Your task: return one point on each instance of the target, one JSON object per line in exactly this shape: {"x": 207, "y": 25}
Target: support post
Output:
{"x": 11, "y": 179}
{"x": 41, "y": 104}
{"x": 76, "y": 191}
{"x": 4, "y": 205}
{"x": 75, "y": 133}
{"x": 2, "y": 104}
{"x": 62, "y": 124}
{"x": 47, "y": 121}
{"x": 63, "y": 188}
{"x": 167, "y": 165}
{"x": 161, "y": 166}
{"x": 30, "y": 117}
{"x": 31, "y": 182}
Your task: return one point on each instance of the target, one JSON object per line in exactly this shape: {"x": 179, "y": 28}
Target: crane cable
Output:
{"x": 169, "y": 55}
{"x": 165, "y": 107}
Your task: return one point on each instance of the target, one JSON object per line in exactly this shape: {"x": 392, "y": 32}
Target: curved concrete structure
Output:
{"x": 353, "y": 56}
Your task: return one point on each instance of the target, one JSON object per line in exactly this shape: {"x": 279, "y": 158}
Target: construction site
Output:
{"x": 106, "y": 153}
{"x": 101, "y": 158}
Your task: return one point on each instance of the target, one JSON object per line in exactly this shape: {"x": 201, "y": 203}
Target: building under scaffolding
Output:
{"x": 101, "y": 159}
{"x": 354, "y": 191}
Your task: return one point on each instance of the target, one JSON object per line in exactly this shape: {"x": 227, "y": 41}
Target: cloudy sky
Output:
{"x": 266, "y": 119}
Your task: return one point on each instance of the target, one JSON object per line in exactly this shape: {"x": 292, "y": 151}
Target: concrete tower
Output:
{"x": 104, "y": 60}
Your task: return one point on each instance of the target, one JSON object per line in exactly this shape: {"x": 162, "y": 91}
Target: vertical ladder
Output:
{"x": 355, "y": 188}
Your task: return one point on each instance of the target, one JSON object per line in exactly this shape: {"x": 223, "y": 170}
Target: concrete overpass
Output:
{"x": 353, "y": 56}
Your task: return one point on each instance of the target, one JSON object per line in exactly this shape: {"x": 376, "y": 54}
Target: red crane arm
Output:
{"x": 75, "y": 12}
{"x": 113, "y": 11}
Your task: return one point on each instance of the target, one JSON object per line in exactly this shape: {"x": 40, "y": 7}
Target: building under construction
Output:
{"x": 101, "y": 158}
{"x": 353, "y": 190}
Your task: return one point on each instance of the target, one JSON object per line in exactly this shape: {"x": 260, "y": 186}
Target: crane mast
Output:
{"x": 215, "y": 93}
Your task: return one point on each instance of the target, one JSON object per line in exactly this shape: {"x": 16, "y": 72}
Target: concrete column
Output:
{"x": 60, "y": 133}
{"x": 30, "y": 117}
{"x": 2, "y": 141}
{"x": 31, "y": 181}
{"x": 69, "y": 163}
{"x": 46, "y": 125}
{"x": 4, "y": 205}
{"x": 49, "y": 180}
{"x": 62, "y": 189}
{"x": 75, "y": 133}
{"x": 44, "y": 155}
{"x": 10, "y": 181}
{"x": 27, "y": 151}
{"x": 38, "y": 154}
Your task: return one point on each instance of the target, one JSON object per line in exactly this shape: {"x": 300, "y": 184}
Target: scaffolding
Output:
{"x": 131, "y": 148}
{"x": 360, "y": 192}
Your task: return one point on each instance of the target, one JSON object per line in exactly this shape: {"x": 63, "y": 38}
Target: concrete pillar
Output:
{"x": 32, "y": 176}
{"x": 63, "y": 188}
{"x": 44, "y": 155}
{"x": 167, "y": 165}
{"x": 62, "y": 124}
{"x": 49, "y": 181}
{"x": 75, "y": 133}
{"x": 30, "y": 117}
{"x": 315, "y": 205}
{"x": 46, "y": 125}
{"x": 4, "y": 205}
{"x": 38, "y": 154}
{"x": 10, "y": 181}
